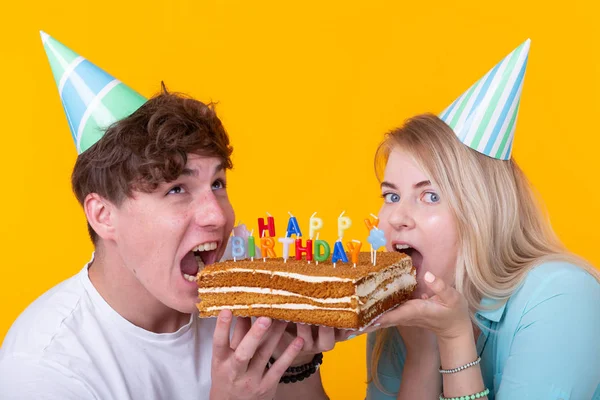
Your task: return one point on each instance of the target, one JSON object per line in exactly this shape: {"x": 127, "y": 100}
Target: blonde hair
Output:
{"x": 503, "y": 231}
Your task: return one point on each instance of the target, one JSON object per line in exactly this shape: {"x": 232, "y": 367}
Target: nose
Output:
{"x": 209, "y": 213}
{"x": 401, "y": 216}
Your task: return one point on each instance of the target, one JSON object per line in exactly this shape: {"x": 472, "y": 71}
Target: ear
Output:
{"x": 100, "y": 215}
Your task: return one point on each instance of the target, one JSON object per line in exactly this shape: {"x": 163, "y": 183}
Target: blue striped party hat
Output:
{"x": 484, "y": 117}
{"x": 91, "y": 98}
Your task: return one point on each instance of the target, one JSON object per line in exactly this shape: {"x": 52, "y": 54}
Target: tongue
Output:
{"x": 189, "y": 265}
{"x": 417, "y": 258}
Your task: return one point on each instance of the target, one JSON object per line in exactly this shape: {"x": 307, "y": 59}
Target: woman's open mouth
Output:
{"x": 414, "y": 254}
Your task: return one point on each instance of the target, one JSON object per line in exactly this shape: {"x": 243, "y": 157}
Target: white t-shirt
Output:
{"x": 70, "y": 344}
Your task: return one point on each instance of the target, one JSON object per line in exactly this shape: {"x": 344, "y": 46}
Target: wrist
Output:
{"x": 460, "y": 333}
{"x": 299, "y": 373}
{"x": 457, "y": 350}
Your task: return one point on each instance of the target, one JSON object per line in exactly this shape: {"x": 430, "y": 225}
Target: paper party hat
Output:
{"x": 484, "y": 117}
{"x": 91, "y": 98}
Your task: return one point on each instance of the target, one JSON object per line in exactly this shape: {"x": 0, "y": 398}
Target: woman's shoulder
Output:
{"x": 560, "y": 275}
{"x": 561, "y": 281}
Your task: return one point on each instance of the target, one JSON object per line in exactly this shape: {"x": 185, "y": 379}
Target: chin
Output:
{"x": 187, "y": 307}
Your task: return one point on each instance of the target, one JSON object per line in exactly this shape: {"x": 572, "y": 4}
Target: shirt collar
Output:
{"x": 493, "y": 315}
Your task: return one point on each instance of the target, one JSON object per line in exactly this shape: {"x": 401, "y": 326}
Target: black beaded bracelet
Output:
{"x": 317, "y": 360}
{"x": 300, "y": 372}
{"x": 298, "y": 377}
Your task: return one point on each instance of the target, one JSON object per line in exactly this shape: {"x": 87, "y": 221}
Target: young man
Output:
{"x": 153, "y": 188}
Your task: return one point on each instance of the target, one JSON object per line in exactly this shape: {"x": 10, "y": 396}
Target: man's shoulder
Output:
{"x": 44, "y": 319}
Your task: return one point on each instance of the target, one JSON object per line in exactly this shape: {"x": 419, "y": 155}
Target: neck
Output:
{"x": 121, "y": 289}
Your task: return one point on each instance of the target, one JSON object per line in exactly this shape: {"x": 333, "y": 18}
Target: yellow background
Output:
{"x": 306, "y": 91}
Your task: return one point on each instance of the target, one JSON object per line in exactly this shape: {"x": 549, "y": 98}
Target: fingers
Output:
{"x": 446, "y": 293}
{"x": 242, "y": 326}
{"x": 277, "y": 370}
{"x": 405, "y": 314}
{"x": 248, "y": 345}
{"x": 221, "y": 347}
{"x": 325, "y": 339}
{"x": 344, "y": 334}
{"x": 305, "y": 332}
{"x": 266, "y": 349}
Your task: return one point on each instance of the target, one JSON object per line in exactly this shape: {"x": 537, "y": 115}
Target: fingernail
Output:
{"x": 264, "y": 322}
{"x": 299, "y": 343}
{"x": 351, "y": 337}
{"x": 429, "y": 277}
{"x": 225, "y": 316}
{"x": 376, "y": 325}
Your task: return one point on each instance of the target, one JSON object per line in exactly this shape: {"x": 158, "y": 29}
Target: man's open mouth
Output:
{"x": 201, "y": 255}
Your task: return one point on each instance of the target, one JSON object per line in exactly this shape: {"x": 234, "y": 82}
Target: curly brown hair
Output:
{"x": 149, "y": 147}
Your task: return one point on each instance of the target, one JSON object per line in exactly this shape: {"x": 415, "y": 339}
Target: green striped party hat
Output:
{"x": 91, "y": 98}
{"x": 484, "y": 117}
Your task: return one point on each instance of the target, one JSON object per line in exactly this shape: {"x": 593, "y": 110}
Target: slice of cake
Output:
{"x": 342, "y": 297}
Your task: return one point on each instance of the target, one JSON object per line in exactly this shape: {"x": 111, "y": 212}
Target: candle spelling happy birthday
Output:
{"x": 242, "y": 241}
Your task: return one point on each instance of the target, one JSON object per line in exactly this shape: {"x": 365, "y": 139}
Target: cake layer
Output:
{"x": 276, "y": 297}
{"x": 264, "y": 279}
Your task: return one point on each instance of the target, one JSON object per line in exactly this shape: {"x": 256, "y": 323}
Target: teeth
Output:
{"x": 206, "y": 246}
{"x": 402, "y": 247}
{"x": 191, "y": 278}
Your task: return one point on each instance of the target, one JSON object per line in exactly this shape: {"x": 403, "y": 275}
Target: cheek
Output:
{"x": 228, "y": 213}
{"x": 384, "y": 225}
{"x": 441, "y": 229}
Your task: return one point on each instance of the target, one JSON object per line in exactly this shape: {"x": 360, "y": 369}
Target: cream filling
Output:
{"x": 369, "y": 286}
{"x": 403, "y": 282}
{"x": 277, "y": 292}
{"x": 300, "y": 277}
{"x": 288, "y": 306}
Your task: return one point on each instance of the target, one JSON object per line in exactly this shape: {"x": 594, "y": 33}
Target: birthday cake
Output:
{"x": 347, "y": 295}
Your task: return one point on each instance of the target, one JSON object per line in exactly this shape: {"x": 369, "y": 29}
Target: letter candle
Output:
{"x": 370, "y": 225}
{"x": 286, "y": 241}
{"x": 315, "y": 225}
{"x": 343, "y": 224}
{"x": 326, "y": 250}
{"x": 293, "y": 228}
{"x": 354, "y": 248}
{"x": 251, "y": 246}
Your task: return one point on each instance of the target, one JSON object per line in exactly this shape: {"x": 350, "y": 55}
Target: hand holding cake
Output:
{"x": 239, "y": 364}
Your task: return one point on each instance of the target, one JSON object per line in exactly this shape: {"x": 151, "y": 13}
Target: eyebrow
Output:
{"x": 422, "y": 184}
{"x": 416, "y": 185}
{"x": 388, "y": 185}
{"x": 194, "y": 171}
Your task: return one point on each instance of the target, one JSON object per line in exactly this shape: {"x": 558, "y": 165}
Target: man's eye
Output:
{"x": 391, "y": 197}
{"x": 218, "y": 184}
{"x": 176, "y": 190}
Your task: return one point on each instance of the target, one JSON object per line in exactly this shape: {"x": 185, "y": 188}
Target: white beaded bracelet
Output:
{"x": 458, "y": 369}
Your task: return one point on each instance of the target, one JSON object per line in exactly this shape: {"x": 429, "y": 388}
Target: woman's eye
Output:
{"x": 218, "y": 184}
{"x": 176, "y": 190}
{"x": 391, "y": 197}
{"x": 431, "y": 197}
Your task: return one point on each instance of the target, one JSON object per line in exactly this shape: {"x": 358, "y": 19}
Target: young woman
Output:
{"x": 502, "y": 310}
{"x": 493, "y": 281}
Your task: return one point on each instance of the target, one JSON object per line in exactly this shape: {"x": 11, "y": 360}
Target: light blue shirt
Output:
{"x": 544, "y": 343}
